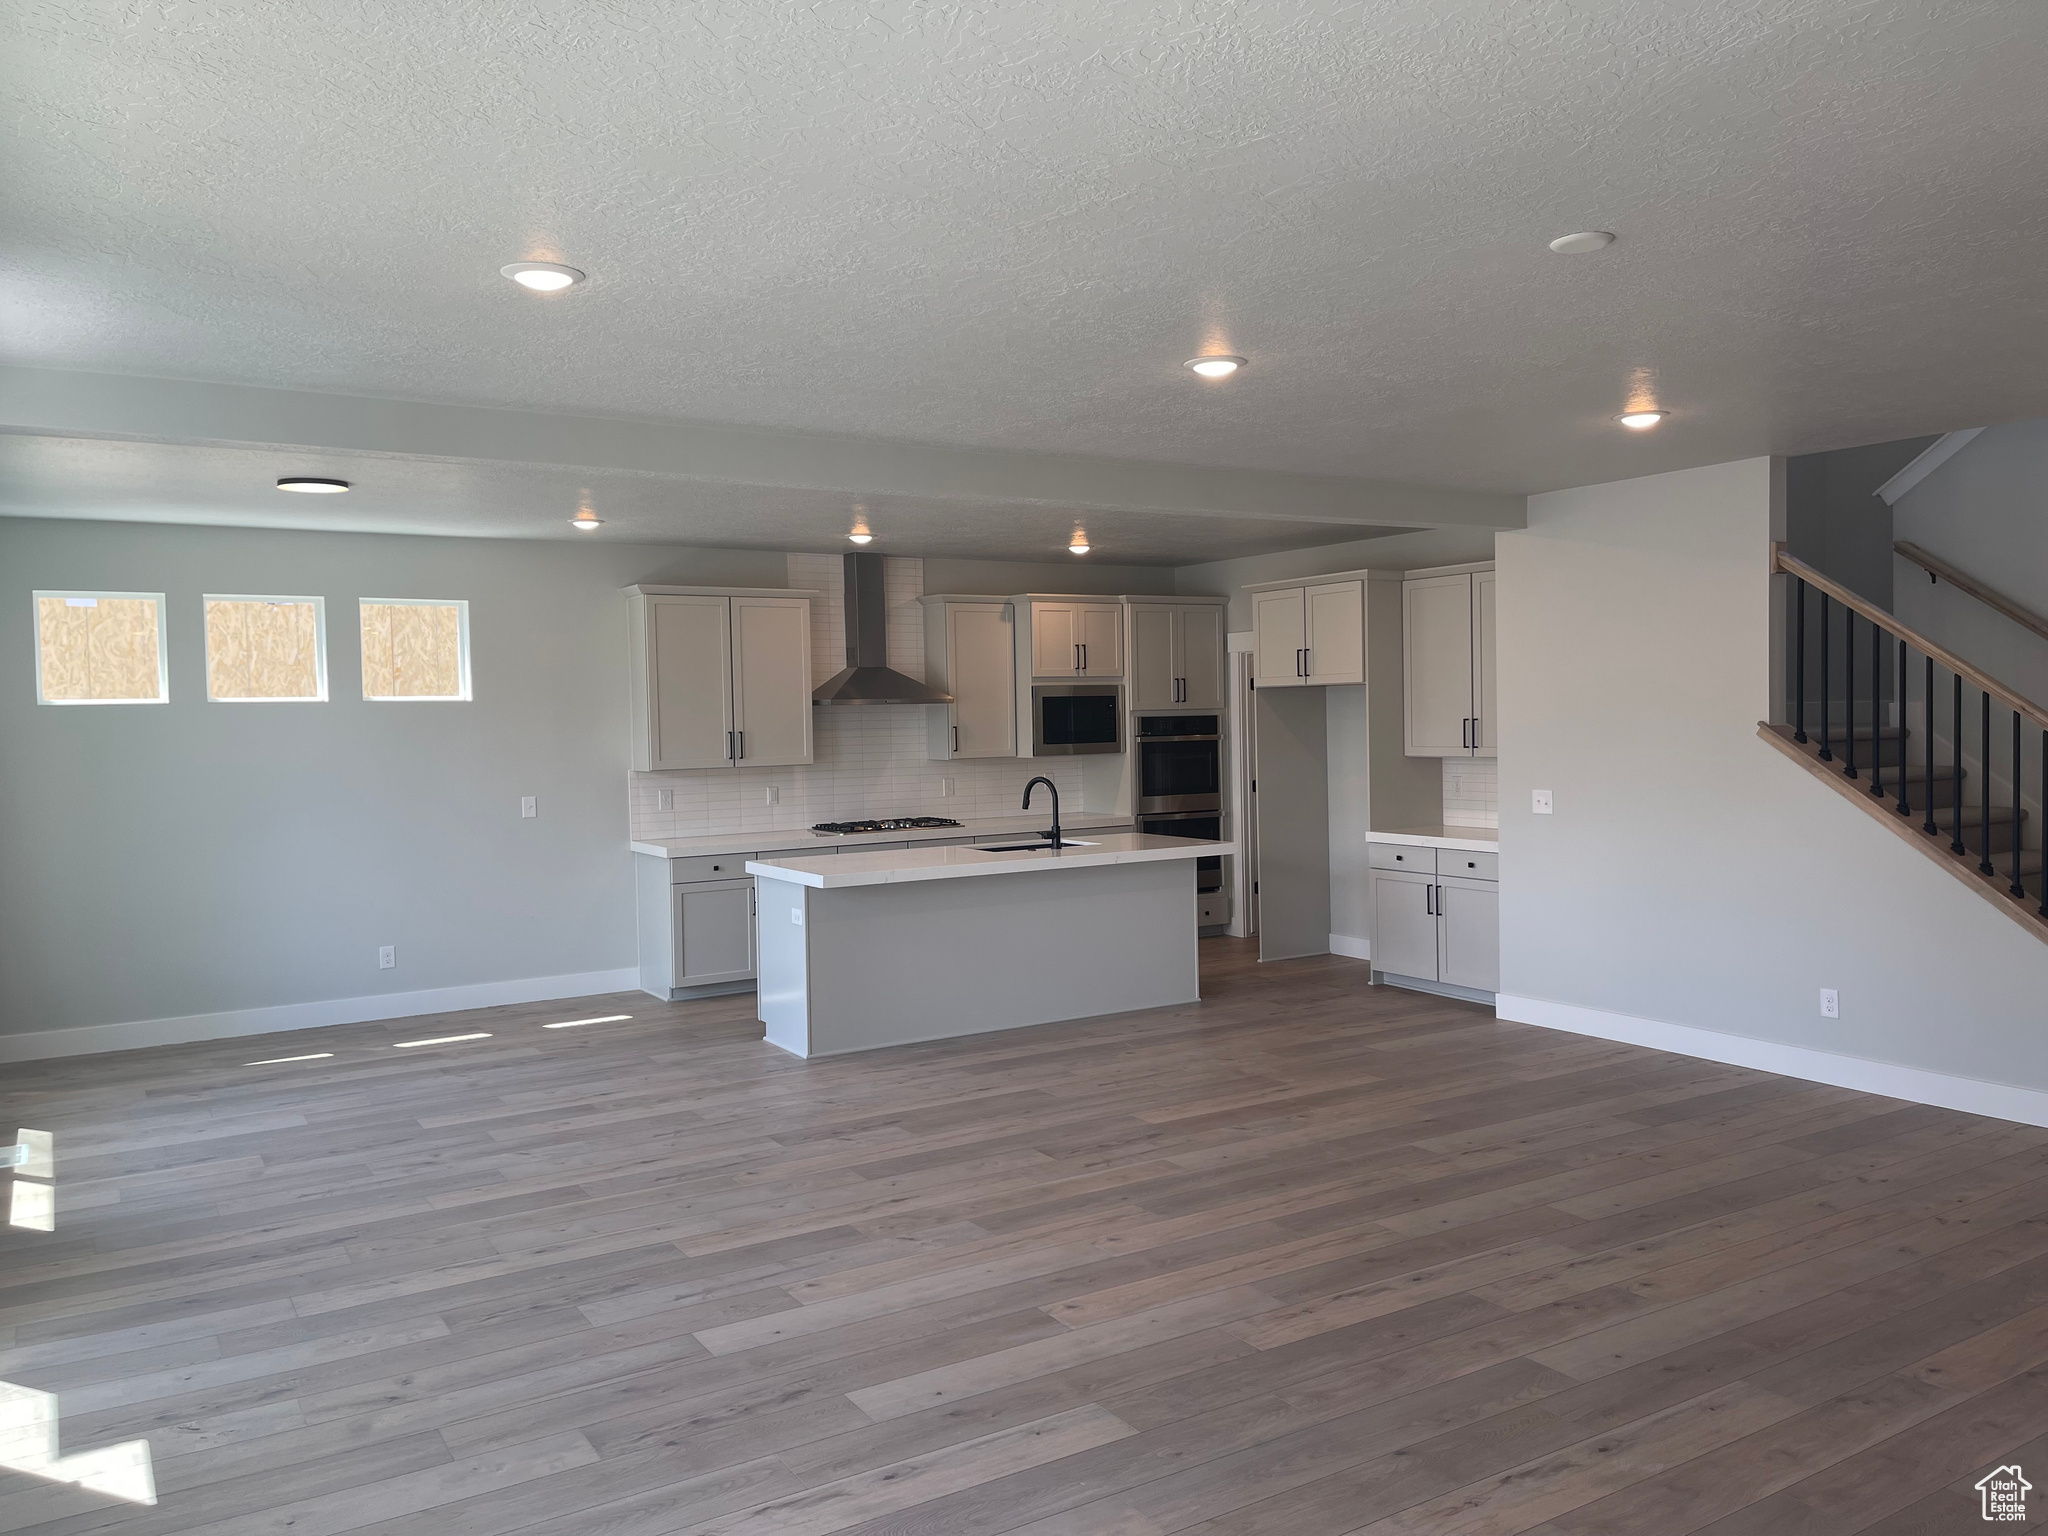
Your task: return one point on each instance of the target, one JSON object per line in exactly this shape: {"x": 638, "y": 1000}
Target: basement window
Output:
{"x": 100, "y": 648}
{"x": 415, "y": 649}
{"x": 266, "y": 649}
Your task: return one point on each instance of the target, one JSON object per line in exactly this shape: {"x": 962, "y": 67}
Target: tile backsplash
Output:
{"x": 1471, "y": 792}
{"x": 869, "y": 759}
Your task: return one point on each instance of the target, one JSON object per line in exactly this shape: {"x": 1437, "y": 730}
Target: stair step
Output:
{"x": 2000, "y": 815}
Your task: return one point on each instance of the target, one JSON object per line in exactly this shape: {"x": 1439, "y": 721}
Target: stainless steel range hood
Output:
{"x": 868, "y": 678}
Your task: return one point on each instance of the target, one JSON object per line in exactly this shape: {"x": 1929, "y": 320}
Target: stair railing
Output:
{"x": 1938, "y": 569}
{"x": 1885, "y": 632}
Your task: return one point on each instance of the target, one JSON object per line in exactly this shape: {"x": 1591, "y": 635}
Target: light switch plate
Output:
{"x": 796, "y": 915}
{"x": 1539, "y": 801}
{"x": 529, "y": 806}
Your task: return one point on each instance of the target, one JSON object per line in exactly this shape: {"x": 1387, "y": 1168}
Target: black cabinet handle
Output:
{"x": 956, "y": 738}
{"x": 728, "y": 747}
{"x": 1429, "y": 900}
{"x": 743, "y": 742}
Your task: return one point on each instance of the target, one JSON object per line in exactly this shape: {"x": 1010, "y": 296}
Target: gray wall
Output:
{"x": 1691, "y": 874}
{"x": 1004, "y": 578}
{"x": 1985, "y": 512}
{"x": 164, "y": 860}
{"x": 1834, "y": 520}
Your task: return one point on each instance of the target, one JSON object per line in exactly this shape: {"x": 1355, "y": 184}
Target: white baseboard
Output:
{"x": 2001, "y": 1101}
{"x": 1356, "y": 949}
{"x": 92, "y": 1038}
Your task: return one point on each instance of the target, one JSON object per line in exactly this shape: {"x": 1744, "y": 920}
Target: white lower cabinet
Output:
{"x": 714, "y": 932}
{"x": 1431, "y": 926}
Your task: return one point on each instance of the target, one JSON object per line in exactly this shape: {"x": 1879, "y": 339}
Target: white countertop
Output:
{"x": 1465, "y": 839}
{"x": 788, "y": 839}
{"x": 889, "y": 866}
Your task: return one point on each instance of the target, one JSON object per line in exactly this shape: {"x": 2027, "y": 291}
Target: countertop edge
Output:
{"x": 1464, "y": 839}
{"x": 786, "y": 840}
{"x": 819, "y": 880}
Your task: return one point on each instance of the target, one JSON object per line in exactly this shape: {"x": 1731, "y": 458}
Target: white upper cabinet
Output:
{"x": 1447, "y": 657}
{"x": 1279, "y": 634}
{"x": 1176, "y": 655}
{"x": 1076, "y": 639}
{"x": 1310, "y": 635}
{"x": 684, "y": 695}
{"x": 1203, "y": 667}
{"x": 771, "y": 681}
{"x": 721, "y": 679}
{"x": 970, "y": 652}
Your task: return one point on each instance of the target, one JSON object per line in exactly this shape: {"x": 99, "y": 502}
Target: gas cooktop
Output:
{"x": 884, "y": 824}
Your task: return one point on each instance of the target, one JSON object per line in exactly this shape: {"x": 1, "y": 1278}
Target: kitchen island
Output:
{"x": 859, "y": 950}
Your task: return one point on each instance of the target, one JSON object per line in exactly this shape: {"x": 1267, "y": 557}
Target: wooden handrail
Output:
{"x": 1976, "y": 677}
{"x": 1935, "y": 566}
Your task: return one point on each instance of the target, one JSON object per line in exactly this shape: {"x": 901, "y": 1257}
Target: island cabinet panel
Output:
{"x": 714, "y": 932}
{"x": 970, "y": 652}
{"x": 771, "y": 681}
{"x": 720, "y": 679}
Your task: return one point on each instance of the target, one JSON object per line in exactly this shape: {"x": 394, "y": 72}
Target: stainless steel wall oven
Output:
{"x": 1180, "y": 783}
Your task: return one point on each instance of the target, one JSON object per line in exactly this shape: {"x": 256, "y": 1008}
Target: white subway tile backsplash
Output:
{"x": 1471, "y": 792}
{"x": 869, "y": 759}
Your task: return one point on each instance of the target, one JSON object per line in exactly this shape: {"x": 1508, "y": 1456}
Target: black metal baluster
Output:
{"x": 1927, "y": 750}
{"x": 1827, "y": 725}
{"x": 1905, "y": 808}
{"x": 1984, "y": 796}
{"x": 1876, "y": 713}
{"x": 1799, "y": 688}
{"x": 1849, "y": 689}
{"x": 1955, "y": 741}
{"x": 2016, "y": 887}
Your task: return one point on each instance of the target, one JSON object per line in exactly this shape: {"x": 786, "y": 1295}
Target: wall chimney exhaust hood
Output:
{"x": 868, "y": 678}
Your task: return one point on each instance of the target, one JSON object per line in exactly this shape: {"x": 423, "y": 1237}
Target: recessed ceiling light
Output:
{"x": 859, "y": 536}
{"x": 1584, "y": 243}
{"x": 585, "y": 519}
{"x": 311, "y": 486}
{"x": 1641, "y": 421}
{"x": 1079, "y": 546}
{"x": 542, "y": 276}
{"x": 1214, "y": 367}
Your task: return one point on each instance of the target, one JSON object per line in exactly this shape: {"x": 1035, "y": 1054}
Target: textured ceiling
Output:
{"x": 236, "y": 487}
{"x": 1007, "y": 224}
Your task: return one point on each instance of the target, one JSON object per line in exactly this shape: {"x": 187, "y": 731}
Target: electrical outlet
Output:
{"x": 387, "y": 958}
{"x": 945, "y": 788}
{"x": 796, "y": 916}
{"x": 774, "y": 795}
{"x": 1830, "y": 1004}
{"x": 529, "y": 806}
{"x": 664, "y": 799}
{"x": 1539, "y": 801}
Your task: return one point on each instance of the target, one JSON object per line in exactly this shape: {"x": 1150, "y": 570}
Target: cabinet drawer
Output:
{"x": 1211, "y": 908}
{"x": 1473, "y": 866}
{"x": 717, "y": 866}
{"x": 1401, "y": 856}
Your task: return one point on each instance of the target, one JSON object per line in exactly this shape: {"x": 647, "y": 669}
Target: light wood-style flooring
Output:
{"x": 1307, "y": 1258}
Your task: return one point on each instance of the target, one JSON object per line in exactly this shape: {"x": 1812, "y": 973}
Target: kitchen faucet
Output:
{"x": 1054, "y": 834}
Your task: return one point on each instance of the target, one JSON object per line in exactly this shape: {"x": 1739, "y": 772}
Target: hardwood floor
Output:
{"x": 1308, "y": 1257}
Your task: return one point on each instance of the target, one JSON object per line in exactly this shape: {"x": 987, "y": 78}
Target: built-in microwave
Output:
{"x": 1071, "y": 719}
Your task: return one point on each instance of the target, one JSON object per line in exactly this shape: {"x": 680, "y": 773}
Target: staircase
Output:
{"x": 1935, "y": 794}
